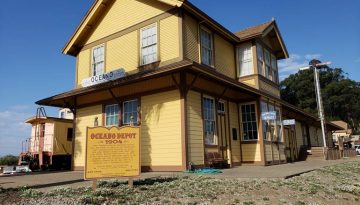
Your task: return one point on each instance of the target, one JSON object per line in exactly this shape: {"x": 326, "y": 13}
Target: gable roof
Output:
{"x": 253, "y": 31}
{"x": 97, "y": 9}
{"x": 260, "y": 31}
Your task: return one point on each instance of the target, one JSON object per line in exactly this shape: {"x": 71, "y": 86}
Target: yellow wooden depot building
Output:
{"x": 192, "y": 86}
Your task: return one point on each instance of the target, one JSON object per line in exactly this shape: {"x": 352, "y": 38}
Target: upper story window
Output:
{"x": 209, "y": 121}
{"x": 260, "y": 59}
{"x": 248, "y": 121}
{"x": 98, "y": 61}
{"x": 274, "y": 68}
{"x": 130, "y": 112}
{"x": 112, "y": 115}
{"x": 245, "y": 60}
{"x": 267, "y": 63}
{"x": 148, "y": 44}
{"x": 206, "y": 43}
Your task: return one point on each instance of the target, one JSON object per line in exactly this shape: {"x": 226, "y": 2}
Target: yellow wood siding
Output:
{"x": 123, "y": 52}
{"x": 269, "y": 88}
{"x": 161, "y": 129}
{"x": 195, "y": 128}
{"x": 234, "y": 123}
{"x": 61, "y": 144}
{"x": 250, "y": 82}
{"x": 84, "y": 118}
{"x": 83, "y": 66}
{"x": 224, "y": 56}
{"x": 251, "y": 152}
{"x": 191, "y": 45}
{"x": 125, "y": 13}
{"x": 169, "y": 38}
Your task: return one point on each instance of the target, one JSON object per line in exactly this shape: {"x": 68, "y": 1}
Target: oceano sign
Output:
{"x": 106, "y": 77}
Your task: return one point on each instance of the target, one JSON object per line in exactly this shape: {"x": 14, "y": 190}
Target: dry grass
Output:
{"x": 339, "y": 184}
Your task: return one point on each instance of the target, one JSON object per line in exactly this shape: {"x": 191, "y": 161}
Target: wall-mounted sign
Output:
{"x": 106, "y": 77}
{"x": 268, "y": 115}
{"x": 112, "y": 152}
{"x": 289, "y": 122}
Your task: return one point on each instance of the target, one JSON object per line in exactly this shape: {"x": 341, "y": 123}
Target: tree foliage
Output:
{"x": 9, "y": 160}
{"x": 341, "y": 95}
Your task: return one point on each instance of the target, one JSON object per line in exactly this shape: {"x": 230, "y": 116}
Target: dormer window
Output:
{"x": 98, "y": 60}
{"x": 245, "y": 60}
{"x": 206, "y": 43}
{"x": 266, "y": 63}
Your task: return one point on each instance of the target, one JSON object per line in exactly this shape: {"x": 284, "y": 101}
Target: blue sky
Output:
{"x": 32, "y": 34}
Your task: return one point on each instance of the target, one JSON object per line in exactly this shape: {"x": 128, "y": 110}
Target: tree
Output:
{"x": 340, "y": 94}
{"x": 9, "y": 160}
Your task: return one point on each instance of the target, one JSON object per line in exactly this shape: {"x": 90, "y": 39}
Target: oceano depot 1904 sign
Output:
{"x": 112, "y": 152}
{"x": 102, "y": 78}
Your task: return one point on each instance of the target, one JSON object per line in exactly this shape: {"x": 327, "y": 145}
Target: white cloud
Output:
{"x": 13, "y": 129}
{"x": 294, "y": 62}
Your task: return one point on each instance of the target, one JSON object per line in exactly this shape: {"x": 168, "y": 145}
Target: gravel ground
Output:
{"x": 337, "y": 184}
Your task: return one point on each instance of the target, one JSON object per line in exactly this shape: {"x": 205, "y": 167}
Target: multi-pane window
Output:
{"x": 209, "y": 121}
{"x": 248, "y": 120}
{"x": 245, "y": 61}
{"x": 112, "y": 115}
{"x": 148, "y": 37}
{"x": 278, "y": 124}
{"x": 98, "y": 61}
{"x": 206, "y": 47}
{"x": 274, "y": 68}
{"x": 265, "y": 126}
{"x": 130, "y": 112}
{"x": 221, "y": 107}
{"x": 260, "y": 59}
{"x": 267, "y": 64}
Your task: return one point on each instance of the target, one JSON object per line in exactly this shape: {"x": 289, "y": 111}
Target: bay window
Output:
{"x": 209, "y": 121}
{"x": 267, "y": 64}
{"x": 260, "y": 59}
{"x": 245, "y": 60}
{"x": 149, "y": 44}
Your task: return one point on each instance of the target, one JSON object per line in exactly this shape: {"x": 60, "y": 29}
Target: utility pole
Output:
{"x": 316, "y": 65}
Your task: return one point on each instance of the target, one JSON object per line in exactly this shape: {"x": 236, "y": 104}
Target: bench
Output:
{"x": 215, "y": 160}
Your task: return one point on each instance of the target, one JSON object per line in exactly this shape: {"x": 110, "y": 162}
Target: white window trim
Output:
{"x": 157, "y": 43}
{"x": 215, "y": 116}
{"x": 257, "y": 122}
{"x": 202, "y": 28}
{"x": 123, "y": 112}
{"x": 105, "y": 122}
{"x": 239, "y": 61}
{"x": 221, "y": 111}
{"x": 92, "y": 58}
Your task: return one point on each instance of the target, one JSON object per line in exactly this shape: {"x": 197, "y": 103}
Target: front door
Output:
{"x": 290, "y": 148}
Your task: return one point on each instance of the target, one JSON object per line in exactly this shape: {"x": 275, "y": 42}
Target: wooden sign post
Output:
{"x": 111, "y": 153}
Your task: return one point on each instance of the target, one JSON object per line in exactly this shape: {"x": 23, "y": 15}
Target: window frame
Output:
{"x": 239, "y": 54}
{"x": 221, "y": 109}
{"x": 105, "y": 115}
{"x": 213, "y": 120}
{"x": 259, "y": 47}
{"x": 92, "y": 68}
{"x": 155, "y": 44}
{"x": 211, "y": 41}
{"x": 242, "y": 122}
{"x": 123, "y": 112}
